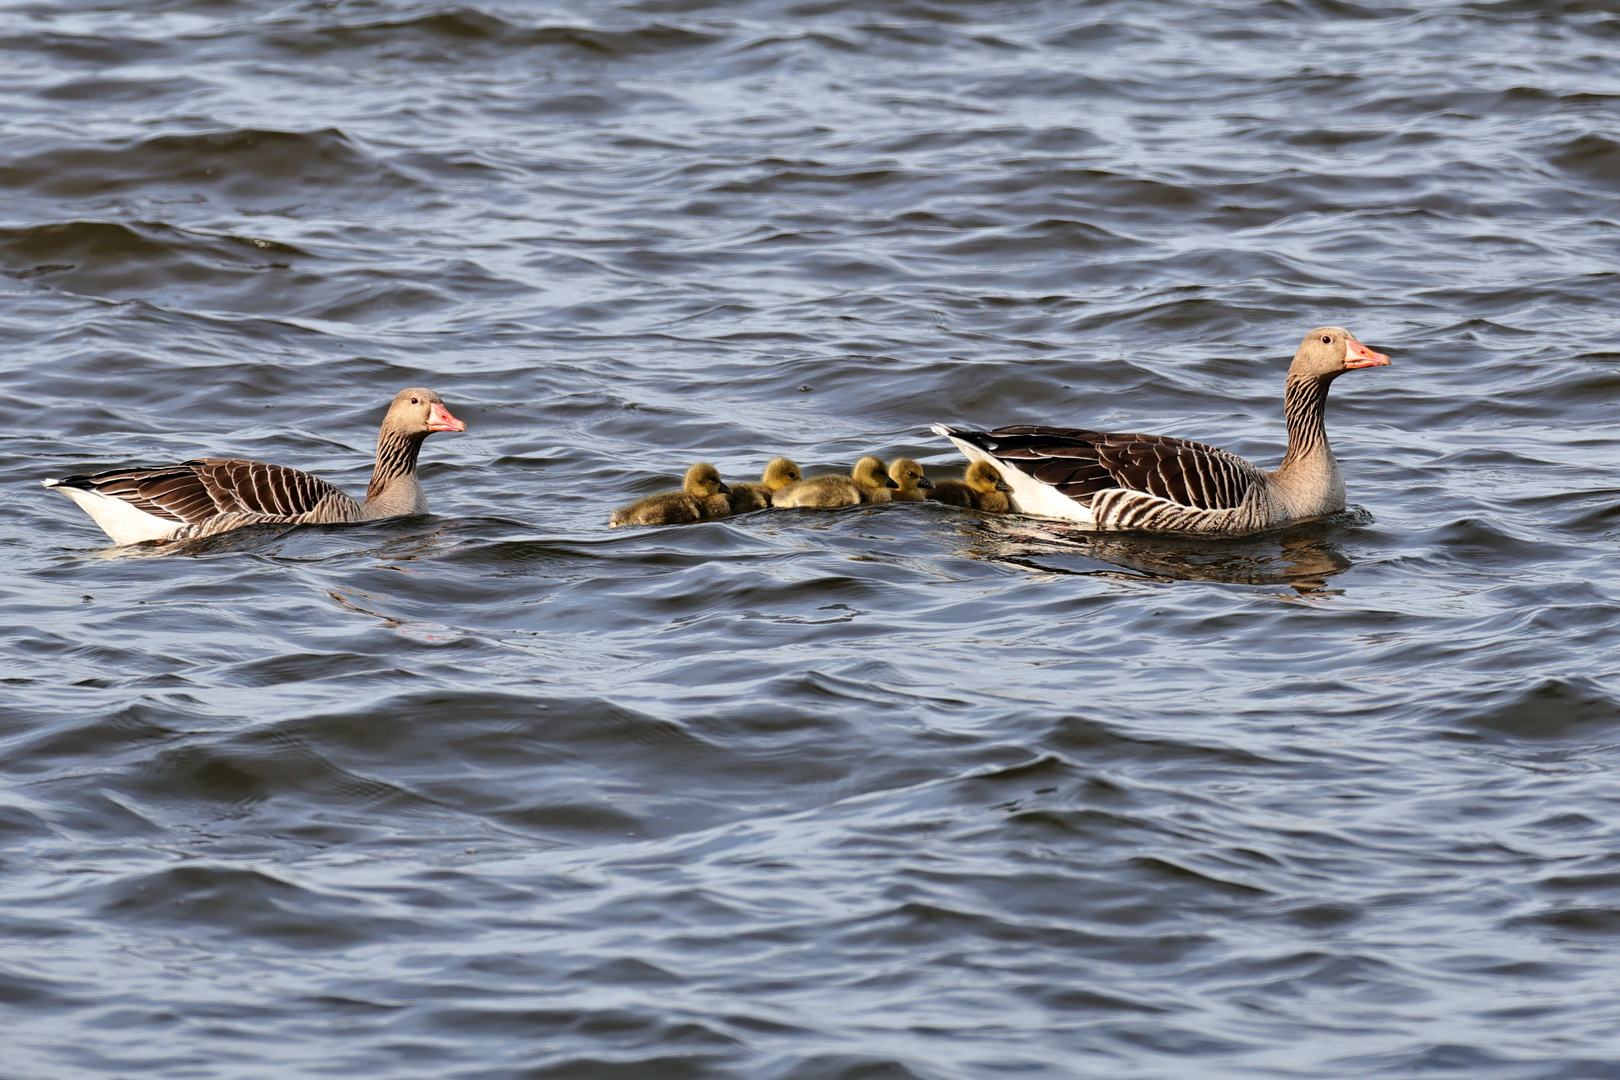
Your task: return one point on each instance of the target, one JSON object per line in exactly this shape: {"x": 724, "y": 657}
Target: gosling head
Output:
{"x": 779, "y": 474}
{"x": 908, "y": 475}
{"x": 983, "y": 476}
{"x": 703, "y": 480}
{"x": 869, "y": 472}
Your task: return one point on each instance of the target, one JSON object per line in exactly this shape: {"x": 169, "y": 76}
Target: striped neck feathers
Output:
{"x": 396, "y": 458}
{"x": 1305, "y": 408}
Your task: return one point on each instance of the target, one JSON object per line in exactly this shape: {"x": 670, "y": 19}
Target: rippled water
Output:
{"x": 894, "y": 792}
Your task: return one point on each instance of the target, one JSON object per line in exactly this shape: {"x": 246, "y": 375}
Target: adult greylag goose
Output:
{"x": 205, "y": 496}
{"x": 703, "y": 497}
{"x": 1158, "y": 484}
{"x": 748, "y": 495}
{"x": 910, "y": 485}
{"x": 867, "y": 482}
{"x": 981, "y": 488}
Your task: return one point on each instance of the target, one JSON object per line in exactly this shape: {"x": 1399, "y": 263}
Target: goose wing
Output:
{"x": 1081, "y": 464}
{"x": 196, "y": 490}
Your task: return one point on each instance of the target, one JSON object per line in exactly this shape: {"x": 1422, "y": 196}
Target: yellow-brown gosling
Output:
{"x": 873, "y": 480}
{"x": 747, "y": 495}
{"x": 702, "y": 498}
{"x": 866, "y": 483}
{"x": 910, "y": 483}
{"x": 981, "y": 488}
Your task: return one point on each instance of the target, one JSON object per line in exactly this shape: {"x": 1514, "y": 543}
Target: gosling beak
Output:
{"x": 1002, "y": 485}
{"x": 439, "y": 419}
{"x": 1357, "y": 355}
{"x": 925, "y": 483}
{"x": 890, "y": 482}
{"x": 723, "y": 489}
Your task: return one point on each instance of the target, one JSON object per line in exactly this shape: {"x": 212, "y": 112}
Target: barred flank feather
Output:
{"x": 1081, "y": 464}
{"x": 196, "y": 490}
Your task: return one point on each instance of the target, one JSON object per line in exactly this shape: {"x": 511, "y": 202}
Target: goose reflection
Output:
{"x": 301, "y": 542}
{"x": 1302, "y": 558}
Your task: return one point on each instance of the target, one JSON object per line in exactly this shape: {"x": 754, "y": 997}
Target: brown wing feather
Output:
{"x": 197, "y": 490}
{"x": 1083, "y": 463}
{"x": 254, "y": 487}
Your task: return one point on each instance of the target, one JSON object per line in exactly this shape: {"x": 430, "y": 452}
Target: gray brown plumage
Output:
{"x": 703, "y": 497}
{"x": 747, "y": 495}
{"x": 981, "y": 488}
{"x": 206, "y": 496}
{"x": 910, "y": 485}
{"x": 1154, "y": 483}
{"x": 866, "y": 483}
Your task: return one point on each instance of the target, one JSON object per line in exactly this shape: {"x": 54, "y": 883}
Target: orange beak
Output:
{"x": 439, "y": 419}
{"x": 1358, "y": 355}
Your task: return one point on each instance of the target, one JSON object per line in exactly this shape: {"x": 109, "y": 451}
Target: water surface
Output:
{"x": 892, "y": 792}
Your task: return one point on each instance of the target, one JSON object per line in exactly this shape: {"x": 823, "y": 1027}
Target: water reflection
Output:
{"x": 247, "y": 538}
{"x": 296, "y": 543}
{"x": 1302, "y": 558}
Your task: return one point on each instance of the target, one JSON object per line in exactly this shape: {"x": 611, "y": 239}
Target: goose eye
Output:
{"x": 418, "y": 401}
{"x": 1327, "y": 339}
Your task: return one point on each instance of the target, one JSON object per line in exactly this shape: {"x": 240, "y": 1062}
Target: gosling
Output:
{"x": 910, "y": 483}
{"x": 981, "y": 488}
{"x": 747, "y": 495}
{"x": 866, "y": 483}
{"x": 703, "y": 497}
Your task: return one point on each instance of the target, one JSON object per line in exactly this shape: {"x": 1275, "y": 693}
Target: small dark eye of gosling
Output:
{"x": 416, "y": 401}
{"x": 1327, "y": 339}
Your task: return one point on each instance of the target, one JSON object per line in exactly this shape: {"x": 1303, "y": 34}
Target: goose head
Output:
{"x": 419, "y": 412}
{"x": 1329, "y": 351}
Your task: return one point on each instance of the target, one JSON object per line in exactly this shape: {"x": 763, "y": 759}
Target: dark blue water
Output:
{"x": 895, "y": 792}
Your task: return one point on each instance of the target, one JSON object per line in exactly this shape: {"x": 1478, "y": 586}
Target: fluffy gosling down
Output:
{"x": 866, "y": 483}
{"x": 981, "y": 488}
{"x": 747, "y": 495}
{"x": 703, "y": 497}
{"x": 910, "y": 485}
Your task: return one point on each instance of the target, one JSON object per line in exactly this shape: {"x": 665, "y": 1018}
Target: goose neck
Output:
{"x": 1305, "y": 408}
{"x": 396, "y": 460}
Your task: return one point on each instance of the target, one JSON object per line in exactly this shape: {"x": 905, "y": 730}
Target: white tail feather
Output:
{"x": 122, "y": 521}
{"x": 1028, "y": 495}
